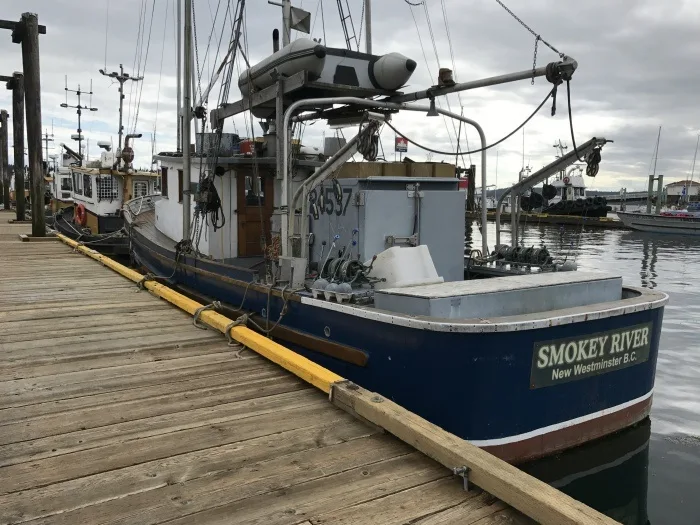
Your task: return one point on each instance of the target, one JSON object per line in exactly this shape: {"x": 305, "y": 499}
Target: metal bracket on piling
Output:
{"x": 463, "y": 472}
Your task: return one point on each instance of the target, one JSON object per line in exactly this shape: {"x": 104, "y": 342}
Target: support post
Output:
{"x": 186, "y": 120}
{"x": 32, "y": 93}
{"x": 471, "y": 188}
{"x": 286, "y": 22}
{"x": 514, "y": 207}
{"x": 18, "y": 140}
{"x": 650, "y": 193}
{"x": 179, "y": 75}
{"x": 368, "y": 27}
{"x": 4, "y": 166}
{"x": 659, "y": 193}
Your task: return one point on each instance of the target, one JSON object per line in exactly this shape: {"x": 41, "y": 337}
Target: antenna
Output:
{"x": 47, "y": 138}
{"x": 79, "y": 108}
{"x": 120, "y": 77}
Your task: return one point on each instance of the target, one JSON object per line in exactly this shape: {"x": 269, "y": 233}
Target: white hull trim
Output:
{"x": 560, "y": 426}
{"x": 649, "y": 300}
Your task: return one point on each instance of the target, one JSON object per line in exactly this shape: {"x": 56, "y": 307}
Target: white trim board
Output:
{"x": 559, "y": 426}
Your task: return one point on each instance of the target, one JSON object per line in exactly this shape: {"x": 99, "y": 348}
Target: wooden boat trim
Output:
{"x": 327, "y": 347}
{"x": 223, "y": 278}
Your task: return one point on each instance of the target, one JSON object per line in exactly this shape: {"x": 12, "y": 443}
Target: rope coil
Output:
{"x": 148, "y": 277}
{"x": 241, "y": 321}
{"x": 216, "y": 305}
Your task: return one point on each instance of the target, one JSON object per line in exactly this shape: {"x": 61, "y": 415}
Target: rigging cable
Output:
{"x": 427, "y": 65}
{"x": 537, "y": 37}
{"x": 454, "y": 71}
{"x": 437, "y": 59}
{"x": 571, "y": 121}
{"x": 257, "y": 178}
{"x": 212, "y": 33}
{"x": 362, "y": 24}
{"x": 452, "y": 153}
{"x": 145, "y": 61}
{"x": 196, "y": 53}
{"x": 160, "y": 75}
{"x": 142, "y": 15}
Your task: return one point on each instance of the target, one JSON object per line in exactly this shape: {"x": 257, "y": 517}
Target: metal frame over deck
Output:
{"x": 295, "y": 87}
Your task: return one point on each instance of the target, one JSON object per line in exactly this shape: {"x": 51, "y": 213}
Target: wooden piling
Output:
{"x": 28, "y": 33}
{"x": 4, "y": 160}
{"x": 17, "y": 86}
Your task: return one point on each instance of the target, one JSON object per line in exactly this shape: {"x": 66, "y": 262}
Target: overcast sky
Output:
{"x": 638, "y": 70}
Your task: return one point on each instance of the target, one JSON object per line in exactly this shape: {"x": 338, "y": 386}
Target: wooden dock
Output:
{"x": 533, "y": 219}
{"x": 114, "y": 408}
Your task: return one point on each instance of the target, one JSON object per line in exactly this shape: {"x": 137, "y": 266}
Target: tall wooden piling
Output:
{"x": 4, "y": 160}
{"x": 27, "y": 32}
{"x": 17, "y": 86}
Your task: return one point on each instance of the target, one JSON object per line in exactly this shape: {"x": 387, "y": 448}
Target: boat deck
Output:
{"x": 114, "y": 408}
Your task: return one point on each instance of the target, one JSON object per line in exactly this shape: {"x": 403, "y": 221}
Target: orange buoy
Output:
{"x": 80, "y": 216}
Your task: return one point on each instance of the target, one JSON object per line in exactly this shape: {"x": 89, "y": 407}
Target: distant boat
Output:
{"x": 676, "y": 222}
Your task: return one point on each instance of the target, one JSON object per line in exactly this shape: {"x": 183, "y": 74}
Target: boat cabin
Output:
{"x": 101, "y": 191}
{"x": 248, "y": 218}
{"x": 569, "y": 188}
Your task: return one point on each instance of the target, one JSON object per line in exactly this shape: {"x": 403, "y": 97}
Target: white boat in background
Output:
{"x": 675, "y": 222}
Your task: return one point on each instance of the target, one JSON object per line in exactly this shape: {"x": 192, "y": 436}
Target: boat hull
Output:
{"x": 665, "y": 224}
{"x": 474, "y": 380}
{"x": 112, "y": 243}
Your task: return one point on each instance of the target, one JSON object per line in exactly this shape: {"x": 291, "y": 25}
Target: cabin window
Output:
{"x": 77, "y": 183}
{"x": 180, "y": 183}
{"x": 107, "y": 189}
{"x": 140, "y": 189}
{"x": 87, "y": 185}
{"x": 164, "y": 182}
{"x": 66, "y": 184}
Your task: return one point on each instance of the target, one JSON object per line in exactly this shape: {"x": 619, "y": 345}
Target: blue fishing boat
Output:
{"x": 360, "y": 265}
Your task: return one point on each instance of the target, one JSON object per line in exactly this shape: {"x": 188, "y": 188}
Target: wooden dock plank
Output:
{"x": 115, "y": 409}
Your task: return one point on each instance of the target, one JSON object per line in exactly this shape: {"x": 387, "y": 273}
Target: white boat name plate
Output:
{"x": 571, "y": 359}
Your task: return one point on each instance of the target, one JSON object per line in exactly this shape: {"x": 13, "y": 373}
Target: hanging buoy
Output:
{"x": 80, "y": 216}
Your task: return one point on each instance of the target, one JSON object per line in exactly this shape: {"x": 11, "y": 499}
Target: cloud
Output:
{"x": 638, "y": 69}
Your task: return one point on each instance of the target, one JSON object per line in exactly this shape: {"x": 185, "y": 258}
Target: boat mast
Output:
{"x": 653, "y": 177}
{"x": 179, "y": 75}
{"x": 692, "y": 170}
{"x": 79, "y": 108}
{"x": 286, "y": 22}
{"x": 120, "y": 77}
{"x": 368, "y": 27}
{"x": 186, "y": 118}
{"x": 656, "y": 155}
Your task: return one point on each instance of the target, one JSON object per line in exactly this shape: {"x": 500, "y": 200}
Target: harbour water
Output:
{"x": 648, "y": 474}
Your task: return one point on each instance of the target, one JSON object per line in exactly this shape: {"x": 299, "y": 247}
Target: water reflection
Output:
{"x": 610, "y": 475}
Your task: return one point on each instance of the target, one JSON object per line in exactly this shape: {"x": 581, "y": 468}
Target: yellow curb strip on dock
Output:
{"x": 529, "y": 495}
